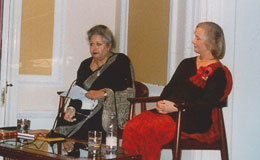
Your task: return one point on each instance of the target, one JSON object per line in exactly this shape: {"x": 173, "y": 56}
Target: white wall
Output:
{"x": 246, "y": 109}
{"x": 81, "y": 15}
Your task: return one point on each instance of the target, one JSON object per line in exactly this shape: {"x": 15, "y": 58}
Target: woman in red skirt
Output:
{"x": 199, "y": 80}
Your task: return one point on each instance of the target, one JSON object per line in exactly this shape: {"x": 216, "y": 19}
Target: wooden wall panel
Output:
{"x": 148, "y": 34}
{"x": 36, "y": 37}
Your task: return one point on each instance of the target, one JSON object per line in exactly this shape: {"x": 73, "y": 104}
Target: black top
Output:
{"x": 197, "y": 118}
{"x": 116, "y": 77}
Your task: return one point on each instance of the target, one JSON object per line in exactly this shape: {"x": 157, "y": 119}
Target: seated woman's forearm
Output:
{"x": 96, "y": 94}
{"x": 165, "y": 107}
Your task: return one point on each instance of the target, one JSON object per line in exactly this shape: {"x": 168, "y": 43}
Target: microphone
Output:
{"x": 52, "y": 133}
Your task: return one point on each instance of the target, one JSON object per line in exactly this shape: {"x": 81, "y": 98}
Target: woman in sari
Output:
{"x": 104, "y": 75}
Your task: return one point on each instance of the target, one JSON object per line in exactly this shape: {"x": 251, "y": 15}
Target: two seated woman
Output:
{"x": 199, "y": 80}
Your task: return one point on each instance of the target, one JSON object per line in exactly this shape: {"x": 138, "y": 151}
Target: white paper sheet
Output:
{"x": 77, "y": 92}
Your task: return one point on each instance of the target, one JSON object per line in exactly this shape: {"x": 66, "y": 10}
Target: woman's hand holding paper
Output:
{"x": 70, "y": 114}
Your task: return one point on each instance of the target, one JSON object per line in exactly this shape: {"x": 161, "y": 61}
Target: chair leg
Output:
{"x": 224, "y": 148}
{"x": 224, "y": 154}
{"x": 176, "y": 149}
{"x": 177, "y": 155}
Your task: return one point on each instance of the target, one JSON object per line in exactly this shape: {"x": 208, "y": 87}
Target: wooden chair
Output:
{"x": 184, "y": 141}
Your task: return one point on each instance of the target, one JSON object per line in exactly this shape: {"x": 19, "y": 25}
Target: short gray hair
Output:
{"x": 105, "y": 32}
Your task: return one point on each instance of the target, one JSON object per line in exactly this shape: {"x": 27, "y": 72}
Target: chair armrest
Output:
{"x": 180, "y": 105}
{"x": 151, "y": 99}
{"x": 61, "y": 103}
{"x": 222, "y": 104}
{"x": 143, "y": 99}
{"x": 59, "y": 92}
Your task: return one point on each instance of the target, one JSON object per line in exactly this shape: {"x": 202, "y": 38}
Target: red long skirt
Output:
{"x": 146, "y": 133}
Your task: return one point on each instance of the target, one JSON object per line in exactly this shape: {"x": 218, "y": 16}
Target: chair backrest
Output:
{"x": 141, "y": 89}
{"x": 61, "y": 104}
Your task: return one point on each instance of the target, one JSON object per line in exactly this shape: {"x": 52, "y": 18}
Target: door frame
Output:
{"x": 10, "y": 59}
{"x": 2, "y": 109}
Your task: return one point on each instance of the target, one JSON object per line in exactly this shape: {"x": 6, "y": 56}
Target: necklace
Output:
{"x": 99, "y": 67}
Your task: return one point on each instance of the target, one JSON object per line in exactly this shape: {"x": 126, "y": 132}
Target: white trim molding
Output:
{"x": 172, "y": 38}
{"x": 123, "y": 26}
{"x": 10, "y": 46}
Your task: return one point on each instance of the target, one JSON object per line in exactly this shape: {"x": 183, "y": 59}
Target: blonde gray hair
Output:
{"x": 215, "y": 38}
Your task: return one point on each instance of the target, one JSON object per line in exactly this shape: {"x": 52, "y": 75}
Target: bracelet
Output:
{"x": 105, "y": 93}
